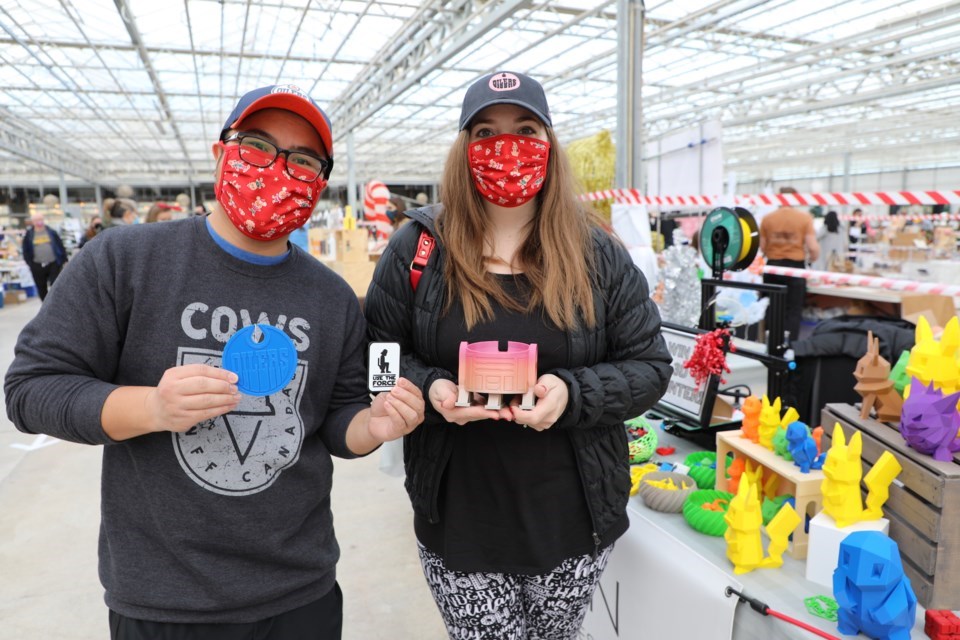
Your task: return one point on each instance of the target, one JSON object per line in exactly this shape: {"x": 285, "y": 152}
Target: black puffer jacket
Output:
{"x": 629, "y": 367}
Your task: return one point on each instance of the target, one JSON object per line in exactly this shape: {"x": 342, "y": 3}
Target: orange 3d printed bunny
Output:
{"x": 874, "y": 385}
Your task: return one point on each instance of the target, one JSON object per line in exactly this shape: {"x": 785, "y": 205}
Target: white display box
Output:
{"x": 823, "y": 550}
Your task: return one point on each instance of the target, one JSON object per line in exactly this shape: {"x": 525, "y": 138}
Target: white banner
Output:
{"x": 657, "y": 587}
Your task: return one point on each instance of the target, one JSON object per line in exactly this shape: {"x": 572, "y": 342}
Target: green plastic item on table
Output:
{"x": 708, "y": 522}
{"x": 822, "y": 606}
{"x": 770, "y": 507}
{"x": 780, "y": 444}
{"x": 899, "y": 372}
{"x": 643, "y": 447}
{"x": 703, "y": 468}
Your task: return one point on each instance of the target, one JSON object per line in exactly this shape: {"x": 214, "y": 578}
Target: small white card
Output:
{"x": 383, "y": 366}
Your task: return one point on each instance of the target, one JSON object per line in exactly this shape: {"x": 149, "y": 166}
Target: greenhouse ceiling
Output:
{"x": 136, "y": 91}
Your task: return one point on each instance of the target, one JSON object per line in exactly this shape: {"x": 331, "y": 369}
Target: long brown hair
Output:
{"x": 556, "y": 256}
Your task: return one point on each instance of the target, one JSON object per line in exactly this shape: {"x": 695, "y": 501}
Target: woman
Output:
{"x": 516, "y": 510}
{"x": 123, "y": 211}
{"x": 832, "y": 246}
{"x": 96, "y": 226}
{"x": 396, "y": 212}
{"x": 160, "y": 212}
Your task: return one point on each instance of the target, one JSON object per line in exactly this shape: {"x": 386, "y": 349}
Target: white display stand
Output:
{"x": 823, "y": 549}
{"x": 652, "y": 572}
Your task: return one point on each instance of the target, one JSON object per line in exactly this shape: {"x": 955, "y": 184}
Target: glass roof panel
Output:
{"x": 141, "y": 88}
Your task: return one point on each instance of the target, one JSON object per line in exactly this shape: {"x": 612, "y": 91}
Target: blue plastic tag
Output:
{"x": 263, "y": 367}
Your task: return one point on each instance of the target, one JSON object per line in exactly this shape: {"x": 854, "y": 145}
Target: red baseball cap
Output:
{"x": 290, "y": 98}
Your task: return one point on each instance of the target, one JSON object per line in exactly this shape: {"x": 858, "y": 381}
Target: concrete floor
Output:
{"x": 49, "y": 520}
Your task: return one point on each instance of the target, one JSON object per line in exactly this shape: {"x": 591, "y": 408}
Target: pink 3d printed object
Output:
{"x": 497, "y": 368}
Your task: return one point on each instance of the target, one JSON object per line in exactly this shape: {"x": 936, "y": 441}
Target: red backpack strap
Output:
{"x": 425, "y": 245}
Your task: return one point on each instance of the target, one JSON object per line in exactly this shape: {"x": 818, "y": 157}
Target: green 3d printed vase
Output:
{"x": 707, "y": 521}
{"x": 642, "y": 440}
{"x": 703, "y": 468}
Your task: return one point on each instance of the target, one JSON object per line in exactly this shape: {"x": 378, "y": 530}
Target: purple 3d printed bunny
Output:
{"x": 930, "y": 421}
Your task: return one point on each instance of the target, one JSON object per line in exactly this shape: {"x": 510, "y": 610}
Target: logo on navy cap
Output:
{"x": 504, "y": 82}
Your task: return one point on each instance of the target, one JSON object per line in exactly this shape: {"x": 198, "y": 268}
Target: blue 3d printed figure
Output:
{"x": 803, "y": 448}
{"x": 873, "y": 594}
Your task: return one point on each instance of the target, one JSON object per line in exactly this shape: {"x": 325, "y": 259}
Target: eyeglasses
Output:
{"x": 263, "y": 153}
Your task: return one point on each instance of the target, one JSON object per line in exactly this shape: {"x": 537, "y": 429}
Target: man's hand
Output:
{"x": 189, "y": 395}
{"x": 443, "y": 397}
{"x": 552, "y": 397}
{"x": 396, "y": 413}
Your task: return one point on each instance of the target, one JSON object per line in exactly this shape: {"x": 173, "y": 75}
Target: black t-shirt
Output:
{"x": 511, "y": 499}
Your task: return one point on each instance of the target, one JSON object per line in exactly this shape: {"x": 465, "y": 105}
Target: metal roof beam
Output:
{"x": 439, "y": 40}
{"x": 832, "y": 50}
{"x": 192, "y": 51}
{"x": 130, "y": 23}
{"x": 29, "y": 143}
{"x": 748, "y": 107}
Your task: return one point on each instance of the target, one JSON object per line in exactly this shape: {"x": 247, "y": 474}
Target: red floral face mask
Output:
{"x": 264, "y": 203}
{"x": 509, "y": 170}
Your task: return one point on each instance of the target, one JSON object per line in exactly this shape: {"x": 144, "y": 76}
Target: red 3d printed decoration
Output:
{"x": 709, "y": 356}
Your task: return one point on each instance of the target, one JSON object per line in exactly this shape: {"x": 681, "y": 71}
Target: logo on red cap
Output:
{"x": 504, "y": 82}
{"x": 289, "y": 88}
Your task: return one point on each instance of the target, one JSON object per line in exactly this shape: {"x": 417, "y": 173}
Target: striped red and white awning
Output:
{"x": 936, "y": 217}
{"x": 883, "y": 198}
{"x": 829, "y": 277}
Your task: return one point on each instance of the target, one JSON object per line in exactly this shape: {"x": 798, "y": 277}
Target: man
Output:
{"x": 44, "y": 253}
{"x": 215, "y": 505}
{"x": 788, "y": 239}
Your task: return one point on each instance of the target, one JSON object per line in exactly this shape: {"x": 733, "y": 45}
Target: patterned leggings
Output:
{"x": 504, "y": 606}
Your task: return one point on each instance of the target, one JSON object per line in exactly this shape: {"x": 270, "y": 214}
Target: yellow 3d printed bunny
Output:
{"x": 770, "y": 421}
{"x": 743, "y": 518}
{"x": 932, "y": 361}
{"x": 841, "y": 483}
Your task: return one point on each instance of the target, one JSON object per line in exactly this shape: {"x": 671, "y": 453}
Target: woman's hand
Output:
{"x": 552, "y": 397}
{"x": 396, "y": 413}
{"x": 443, "y": 396}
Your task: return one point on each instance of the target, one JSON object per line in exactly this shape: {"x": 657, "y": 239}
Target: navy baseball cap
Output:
{"x": 504, "y": 87}
{"x": 283, "y": 96}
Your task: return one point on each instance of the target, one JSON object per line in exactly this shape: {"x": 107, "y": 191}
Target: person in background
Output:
{"x": 517, "y": 510}
{"x": 160, "y": 212}
{"x": 123, "y": 211}
{"x": 396, "y": 212}
{"x": 105, "y": 213}
{"x": 96, "y": 226}
{"x": 215, "y": 497}
{"x": 832, "y": 240}
{"x": 788, "y": 239}
{"x": 44, "y": 253}
{"x": 200, "y": 210}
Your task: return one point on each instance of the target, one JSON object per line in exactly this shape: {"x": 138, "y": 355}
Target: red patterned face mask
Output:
{"x": 508, "y": 170}
{"x": 264, "y": 203}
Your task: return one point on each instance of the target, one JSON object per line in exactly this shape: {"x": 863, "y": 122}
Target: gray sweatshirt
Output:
{"x": 229, "y": 521}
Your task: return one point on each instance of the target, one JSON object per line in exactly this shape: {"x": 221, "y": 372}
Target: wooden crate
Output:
{"x": 342, "y": 245}
{"x": 805, "y": 487}
{"x": 357, "y": 274}
{"x": 923, "y": 509}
